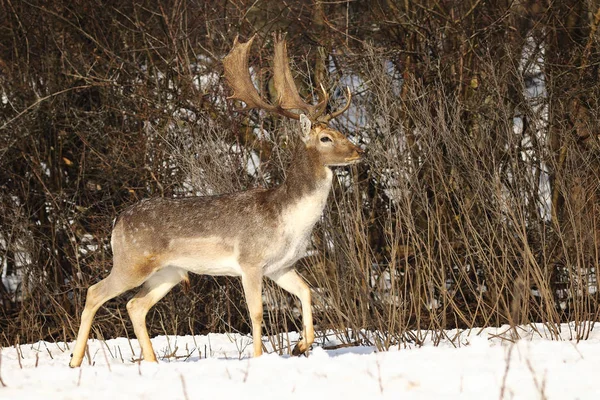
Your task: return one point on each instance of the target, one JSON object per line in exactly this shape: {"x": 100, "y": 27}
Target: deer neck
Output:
{"x": 307, "y": 178}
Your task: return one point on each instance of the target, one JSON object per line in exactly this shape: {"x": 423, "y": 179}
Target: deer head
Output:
{"x": 335, "y": 149}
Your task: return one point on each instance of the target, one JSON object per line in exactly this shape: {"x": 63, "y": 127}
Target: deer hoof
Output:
{"x": 299, "y": 349}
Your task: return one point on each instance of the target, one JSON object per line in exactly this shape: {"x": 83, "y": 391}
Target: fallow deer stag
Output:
{"x": 252, "y": 234}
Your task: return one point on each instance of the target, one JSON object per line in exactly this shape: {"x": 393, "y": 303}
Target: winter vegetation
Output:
{"x": 477, "y": 204}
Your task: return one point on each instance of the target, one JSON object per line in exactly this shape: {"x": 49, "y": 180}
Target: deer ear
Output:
{"x": 306, "y": 126}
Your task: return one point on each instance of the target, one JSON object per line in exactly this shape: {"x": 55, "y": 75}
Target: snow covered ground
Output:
{"x": 479, "y": 365}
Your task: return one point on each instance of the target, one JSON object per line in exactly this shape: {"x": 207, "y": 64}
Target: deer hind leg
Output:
{"x": 111, "y": 286}
{"x": 292, "y": 282}
{"x": 252, "y": 284}
{"x": 154, "y": 289}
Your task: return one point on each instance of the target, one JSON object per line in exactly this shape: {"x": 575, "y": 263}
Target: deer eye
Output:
{"x": 325, "y": 139}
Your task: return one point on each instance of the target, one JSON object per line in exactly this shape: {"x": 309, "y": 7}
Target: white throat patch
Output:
{"x": 298, "y": 221}
{"x": 306, "y": 212}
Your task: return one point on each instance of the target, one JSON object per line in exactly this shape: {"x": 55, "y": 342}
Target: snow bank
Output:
{"x": 465, "y": 365}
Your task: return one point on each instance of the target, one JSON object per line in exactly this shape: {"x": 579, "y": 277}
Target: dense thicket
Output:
{"x": 478, "y": 203}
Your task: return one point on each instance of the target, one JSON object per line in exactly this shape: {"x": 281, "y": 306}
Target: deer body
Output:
{"x": 250, "y": 234}
{"x": 267, "y": 228}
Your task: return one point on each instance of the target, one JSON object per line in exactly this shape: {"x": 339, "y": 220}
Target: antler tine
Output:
{"x": 322, "y": 105}
{"x": 339, "y": 112}
{"x": 287, "y": 93}
{"x": 237, "y": 75}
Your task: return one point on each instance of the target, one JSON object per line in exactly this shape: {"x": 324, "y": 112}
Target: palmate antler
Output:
{"x": 237, "y": 75}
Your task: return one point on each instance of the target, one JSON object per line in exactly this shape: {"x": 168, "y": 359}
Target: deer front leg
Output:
{"x": 292, "y": 282}
{"x": 252, "y": 283}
